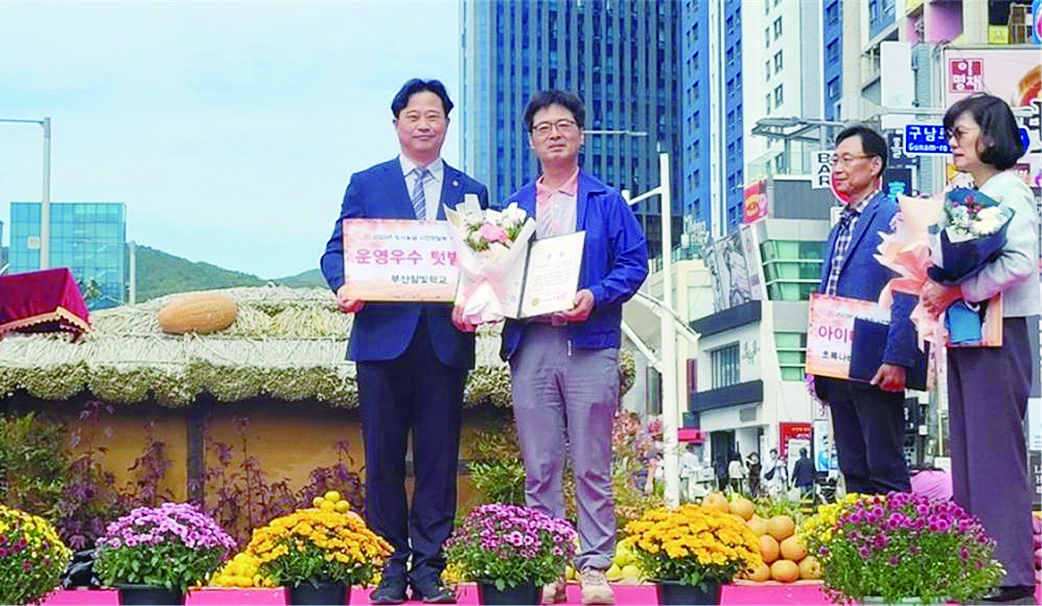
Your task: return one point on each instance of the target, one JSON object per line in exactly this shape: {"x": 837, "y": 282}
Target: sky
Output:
{"x": 229, "y": 129}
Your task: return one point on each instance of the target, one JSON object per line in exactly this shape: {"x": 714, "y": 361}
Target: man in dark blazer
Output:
{"x": 868, "y": 418}
{"x": 412, "y": 359}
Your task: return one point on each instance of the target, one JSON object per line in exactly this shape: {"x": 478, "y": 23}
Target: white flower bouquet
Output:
{"x": 490, "y": 247}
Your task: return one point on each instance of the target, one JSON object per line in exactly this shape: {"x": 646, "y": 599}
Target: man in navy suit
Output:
{"x": 412, "y": 359}
{"x": 868, "y": 418}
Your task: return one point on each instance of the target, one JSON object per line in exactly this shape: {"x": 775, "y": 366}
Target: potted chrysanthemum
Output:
{"x": 903, "y": 546}
{"x": 32, "y": 557}
{"x": 510, "y": 552}
{"x": 153, "y": 554}
{"x": 317, "y": 554}
{"x": 691, "y": 551}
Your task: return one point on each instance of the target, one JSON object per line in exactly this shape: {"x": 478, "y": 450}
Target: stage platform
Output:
{"x": 746, "y": 594}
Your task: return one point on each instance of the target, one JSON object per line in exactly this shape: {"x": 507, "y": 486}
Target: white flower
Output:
{"x": 493, "y": 216}
{"x": 473, "y": 221}
{"x": 989, "y": 220}
{"x": 514, "y": 215}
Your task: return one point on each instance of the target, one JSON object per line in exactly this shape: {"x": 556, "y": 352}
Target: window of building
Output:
{"x": 724, "y": 363}
{"x": 777, "y": 28}
{"x": 778, "y": 96}
{"x": 832, "y": 51}
{"x": 766, "y": 37}
{"x": 777, "y": 62}
{"x": 792, "y": 354}
{"x": 833, "y": 88}
{"x": 768, "y": 102}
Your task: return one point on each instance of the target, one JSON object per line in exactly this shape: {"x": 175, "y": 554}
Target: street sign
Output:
{"x": 925, "y": 139}
{"x": 930, "y": 139}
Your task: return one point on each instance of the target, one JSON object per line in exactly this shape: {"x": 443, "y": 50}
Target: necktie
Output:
{"x": 419, "y": 200}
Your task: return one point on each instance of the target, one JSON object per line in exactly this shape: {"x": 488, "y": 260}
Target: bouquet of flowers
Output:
{"x": 902, "y": 546}
{"x": 488, "y": 244}
{"x": 173, "y": 545}
{"x": 509, "y": 545}
{"x": 317, "y": 545}
{"x": 32, "y": 557}
{"x": 971, "y": 236}
{"x": 693, "y": 545}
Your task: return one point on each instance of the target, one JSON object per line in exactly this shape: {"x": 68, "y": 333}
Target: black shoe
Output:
{"x": 431, "y": 591}
{"x": 1011, "y": 594}
{"x": 391, "y": 590}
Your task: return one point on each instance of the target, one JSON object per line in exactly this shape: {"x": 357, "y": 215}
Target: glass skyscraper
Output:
{"x": 87, "y": 237}
{"x": 711, "y": 83}
{"x": 620, "y": 56}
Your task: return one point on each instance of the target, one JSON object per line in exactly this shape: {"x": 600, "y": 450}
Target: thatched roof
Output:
{"x": 287, "y": 343}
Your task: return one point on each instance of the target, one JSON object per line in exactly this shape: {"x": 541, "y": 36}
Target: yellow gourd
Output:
{"x": 201, "y": 313}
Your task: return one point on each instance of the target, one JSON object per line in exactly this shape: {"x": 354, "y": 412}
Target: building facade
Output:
{"x": 620, "y": 56}
{"x": 713, "y": 112}
{"x": 87, "y": 237}
{"x": 785, "y": 70}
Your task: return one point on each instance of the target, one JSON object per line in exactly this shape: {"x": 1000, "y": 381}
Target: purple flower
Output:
{"x": 863, "y": 552}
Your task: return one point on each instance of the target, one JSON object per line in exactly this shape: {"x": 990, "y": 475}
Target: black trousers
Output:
{"x": 414, "y": 393}
{"x": 988, "y": 390}
{"x": 869, "y": 427}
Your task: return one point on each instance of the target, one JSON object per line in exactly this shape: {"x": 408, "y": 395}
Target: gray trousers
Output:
{"x": 566, "y": 398}
{"x": 988, "y": 391}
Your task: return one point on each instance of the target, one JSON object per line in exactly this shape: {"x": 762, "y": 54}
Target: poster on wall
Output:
{"x": 735, "y": 269}
{"x": 1012, "y": 74}
{"x": 755, "y": 204}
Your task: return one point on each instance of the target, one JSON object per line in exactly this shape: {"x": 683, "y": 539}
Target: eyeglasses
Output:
{"x": 846, "y": 160}
{"x": 565, "y": 127}
{"x": 958, "y": 132}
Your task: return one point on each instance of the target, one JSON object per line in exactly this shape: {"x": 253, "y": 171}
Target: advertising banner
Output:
{"x": 1012, "y": 74}
{"x": 735, "y": 269}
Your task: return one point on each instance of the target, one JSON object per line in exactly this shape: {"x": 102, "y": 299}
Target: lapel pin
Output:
{"x": 455, "y": 183}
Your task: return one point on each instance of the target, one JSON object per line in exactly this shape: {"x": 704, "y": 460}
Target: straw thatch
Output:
{"x": 286, "y": 343}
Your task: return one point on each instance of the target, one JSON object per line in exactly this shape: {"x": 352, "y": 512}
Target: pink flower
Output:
{"x": 494, "y": 233}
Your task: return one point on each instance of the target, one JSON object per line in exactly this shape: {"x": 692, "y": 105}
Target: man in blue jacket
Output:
{"x": 868, "y": 418}
{"x": 412, "y": 359}
{"x": 564, "y": 367}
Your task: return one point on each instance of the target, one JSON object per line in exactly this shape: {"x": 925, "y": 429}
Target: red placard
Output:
{"x": 792, "y": 431}
{"x": 965, "y": 75}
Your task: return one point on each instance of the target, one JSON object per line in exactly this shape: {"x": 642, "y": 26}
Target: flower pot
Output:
{"x": 150, "y": 594}
{"x": 674, "y": 593}
{"x": 322, "y": 593}
{"x": 528, "y": 594}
